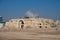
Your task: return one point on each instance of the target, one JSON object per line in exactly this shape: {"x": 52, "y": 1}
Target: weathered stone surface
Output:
{"x": 34, "y": 23}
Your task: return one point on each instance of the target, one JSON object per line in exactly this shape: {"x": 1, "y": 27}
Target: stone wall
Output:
{"x": 32, "y": 23}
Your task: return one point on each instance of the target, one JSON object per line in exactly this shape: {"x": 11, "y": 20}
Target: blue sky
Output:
{"x": 17, "y": 8}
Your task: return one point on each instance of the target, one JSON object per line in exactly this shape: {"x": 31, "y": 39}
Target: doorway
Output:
{"x": 21, "y": 24}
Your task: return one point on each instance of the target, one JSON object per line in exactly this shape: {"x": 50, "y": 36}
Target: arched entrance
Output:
{"x": 21, "y": 24}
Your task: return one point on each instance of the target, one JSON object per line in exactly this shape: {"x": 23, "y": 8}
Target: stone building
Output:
{"x": 31, "y": 23}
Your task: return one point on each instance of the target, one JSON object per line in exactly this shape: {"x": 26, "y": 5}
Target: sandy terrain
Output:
{"x": 29, "y": 35}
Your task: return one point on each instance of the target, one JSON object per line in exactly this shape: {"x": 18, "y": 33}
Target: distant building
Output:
{"x": 1, "y": 19}
{"x": 1, "y": 22}
{"x": 1, "y": 25}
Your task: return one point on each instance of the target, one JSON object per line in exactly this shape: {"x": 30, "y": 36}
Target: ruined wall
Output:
{"x": 29, "y": 23}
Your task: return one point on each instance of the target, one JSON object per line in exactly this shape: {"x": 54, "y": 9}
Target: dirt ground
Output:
{"x": 29, "y": 35}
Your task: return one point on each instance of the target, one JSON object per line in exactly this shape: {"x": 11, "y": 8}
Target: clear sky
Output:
{"x": 17, "y": 8}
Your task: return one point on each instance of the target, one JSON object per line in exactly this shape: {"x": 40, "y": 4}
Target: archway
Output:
{"x": 21, "y": 24}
